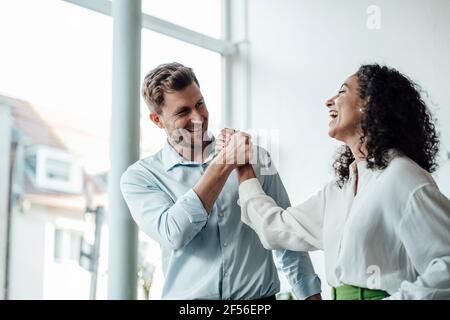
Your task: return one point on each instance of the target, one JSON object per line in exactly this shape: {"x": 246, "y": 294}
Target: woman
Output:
{"x": 382, "y": 222}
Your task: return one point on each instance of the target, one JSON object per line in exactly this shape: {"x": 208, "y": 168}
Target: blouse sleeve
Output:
{"x": 424, "y": 232}
{"x": 296, "y": 228}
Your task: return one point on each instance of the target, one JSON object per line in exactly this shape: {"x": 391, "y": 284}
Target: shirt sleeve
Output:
{"x": 296, "y": 228}
{"x": 296, "y": 265}
{"x": 424, "y": 232}
{"x": 171, "y": 223}
{"x": 299, "y": 271}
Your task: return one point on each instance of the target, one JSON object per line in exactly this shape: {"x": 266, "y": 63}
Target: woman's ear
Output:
{"x": 364, "y": 105}
{"x": 156, "y": 119}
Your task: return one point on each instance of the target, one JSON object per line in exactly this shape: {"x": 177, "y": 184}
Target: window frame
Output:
{"x": 235, "y": 53}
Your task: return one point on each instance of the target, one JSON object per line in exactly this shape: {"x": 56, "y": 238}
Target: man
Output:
{"x": 185, "y": 198}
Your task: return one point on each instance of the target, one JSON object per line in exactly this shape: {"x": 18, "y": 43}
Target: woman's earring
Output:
{"x": 361, "y": 110}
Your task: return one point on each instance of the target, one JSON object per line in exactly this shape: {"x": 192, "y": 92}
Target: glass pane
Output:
{"x": 57, "y": 169}
{"x": 55, "y": 75}
{"x": 203, "y": 16}
{"x": 58, "y": 251}
{"x": 158, "y": 49}
{"x": 75, "y": 244}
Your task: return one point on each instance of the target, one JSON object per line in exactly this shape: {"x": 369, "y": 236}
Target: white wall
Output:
{"x": 34, "y": 273}
{"x": 302, "y": 51}
{"x": 26, "y": 260}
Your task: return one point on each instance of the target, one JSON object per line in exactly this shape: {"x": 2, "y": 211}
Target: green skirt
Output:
{"x": 347, "y": 292}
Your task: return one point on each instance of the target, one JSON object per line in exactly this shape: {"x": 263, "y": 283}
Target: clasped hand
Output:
{"x": 234, "y": 148}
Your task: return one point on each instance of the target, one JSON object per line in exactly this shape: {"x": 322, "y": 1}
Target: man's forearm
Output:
{"x": 211, "y": 184}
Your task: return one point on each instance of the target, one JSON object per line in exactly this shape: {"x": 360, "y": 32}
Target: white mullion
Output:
{"x": 226, "y": 111}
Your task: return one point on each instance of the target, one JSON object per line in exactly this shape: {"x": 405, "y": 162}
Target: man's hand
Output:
{"x": 223, "y": 138}
{"x": 234, "y": 148}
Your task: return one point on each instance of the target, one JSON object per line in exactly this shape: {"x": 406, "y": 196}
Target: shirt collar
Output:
{"x": 171, "y": 158}
{"x": 357, "y": 168}
{"x": 361, "y": 166}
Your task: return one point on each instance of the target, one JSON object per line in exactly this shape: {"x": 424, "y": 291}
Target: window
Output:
{"x": 58, "y": 70}
{"x": 57, "y": 170}
{"x": 67, "y": 246}
{"x": 203, "y": 16}
{"x": 54, "y": 169}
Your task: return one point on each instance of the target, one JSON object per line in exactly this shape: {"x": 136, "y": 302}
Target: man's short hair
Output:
{"x": 165, "y": 78}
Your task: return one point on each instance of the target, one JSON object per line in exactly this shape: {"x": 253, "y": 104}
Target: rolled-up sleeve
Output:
{"x": 171, "y": 223}
{"x": 299, "y": 271}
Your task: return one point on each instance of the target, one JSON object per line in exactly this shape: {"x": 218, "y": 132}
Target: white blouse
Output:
{"x": 394, "y": 235}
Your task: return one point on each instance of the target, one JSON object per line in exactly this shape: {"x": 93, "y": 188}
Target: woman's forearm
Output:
{"x": 245, "y": 172}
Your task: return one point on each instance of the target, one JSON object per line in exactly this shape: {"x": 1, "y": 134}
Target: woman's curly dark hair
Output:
{"x": 395, "y": 117}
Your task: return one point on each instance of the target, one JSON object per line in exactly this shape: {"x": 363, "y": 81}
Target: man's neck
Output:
{"x": 194, "y": 154}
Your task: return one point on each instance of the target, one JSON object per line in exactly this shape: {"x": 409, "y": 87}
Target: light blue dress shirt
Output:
{"x": 213, "y": 256}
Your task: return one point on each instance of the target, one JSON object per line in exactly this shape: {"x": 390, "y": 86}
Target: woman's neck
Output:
{"x": 359, "y": 150}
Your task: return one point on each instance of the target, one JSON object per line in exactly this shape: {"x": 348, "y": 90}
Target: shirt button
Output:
{"x": 221, "y": 215}
{"x": 225, "y": 244}
{"x": 226, "y": 274}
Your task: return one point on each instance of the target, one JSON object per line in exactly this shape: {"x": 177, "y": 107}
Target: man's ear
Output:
{"x": 155, "y": 118}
